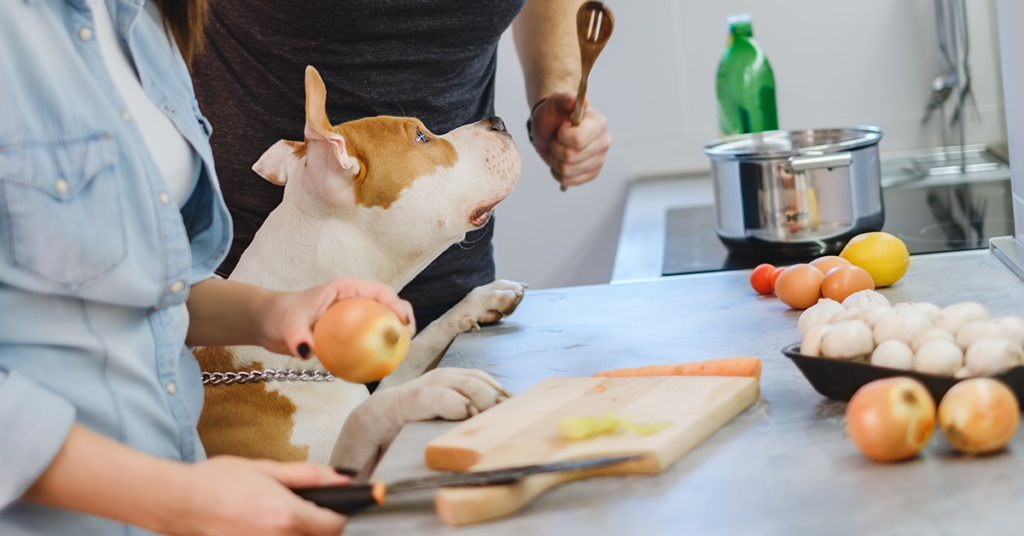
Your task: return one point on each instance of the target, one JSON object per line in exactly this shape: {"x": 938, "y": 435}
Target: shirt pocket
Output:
{"x": 61, "y": 206}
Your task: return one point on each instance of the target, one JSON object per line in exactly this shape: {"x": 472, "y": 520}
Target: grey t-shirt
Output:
{"x": 430, "y": 59}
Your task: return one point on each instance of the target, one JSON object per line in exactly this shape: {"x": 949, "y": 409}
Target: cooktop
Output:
{"x": 936, "y": 214}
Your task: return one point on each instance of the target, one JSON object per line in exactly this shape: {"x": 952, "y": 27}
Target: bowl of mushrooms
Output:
{"x": 847, "y": 345}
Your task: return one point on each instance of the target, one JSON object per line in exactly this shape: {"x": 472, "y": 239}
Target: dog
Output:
{"x": 377, "y": 199}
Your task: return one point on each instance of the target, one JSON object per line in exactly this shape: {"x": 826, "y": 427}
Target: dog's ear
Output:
{"x": 317, "y": 125}
{"x": 276, "y": 164}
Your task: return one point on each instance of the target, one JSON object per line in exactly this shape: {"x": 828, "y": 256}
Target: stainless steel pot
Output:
{"x": 796, "y": 193}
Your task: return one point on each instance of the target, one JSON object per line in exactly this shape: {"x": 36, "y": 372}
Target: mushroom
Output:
{"x": 973, "y": 332}
{"x": 900, "y": 325}
{"x": 847, "y": 340}
{"x": 864, "y": 299}
{"x": 956, "y": 316}
{"x": 938, "y": 357}
{"x": 1014, "y": 324}
{"x": 811, "y": 345}
{"x": 893, "y": 354}
{"x": 844, "y": 315}
{"x": 927, "y": 335}
{"x": 930, "y": 310}
{"x": 992, "y": 355}
{"x": 818, "y": 315}
{"x": 871, "y": 315}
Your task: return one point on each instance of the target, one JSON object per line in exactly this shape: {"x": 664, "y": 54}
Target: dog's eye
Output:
{"x": 420, "y": 136}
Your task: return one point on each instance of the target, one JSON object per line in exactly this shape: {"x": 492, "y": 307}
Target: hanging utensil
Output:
{"x": 594, "y": 24}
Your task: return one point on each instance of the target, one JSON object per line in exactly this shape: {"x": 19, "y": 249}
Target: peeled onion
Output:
{"x": 979, "y": 415}
{"x": 891, "y": 419}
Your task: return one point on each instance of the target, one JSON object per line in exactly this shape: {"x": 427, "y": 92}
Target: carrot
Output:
{"x": 728, "y": 366}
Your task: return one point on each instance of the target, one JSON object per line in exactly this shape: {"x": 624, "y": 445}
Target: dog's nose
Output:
{"x": 497, "y": 124}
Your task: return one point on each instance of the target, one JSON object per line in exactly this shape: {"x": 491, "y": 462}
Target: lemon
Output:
{"x": 882, "y": 255}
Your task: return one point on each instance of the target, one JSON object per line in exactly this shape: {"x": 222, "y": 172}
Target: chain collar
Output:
{"x": 269, "y": 375}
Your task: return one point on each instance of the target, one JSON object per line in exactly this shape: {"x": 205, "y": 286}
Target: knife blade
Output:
{"x": 353, "y": 498}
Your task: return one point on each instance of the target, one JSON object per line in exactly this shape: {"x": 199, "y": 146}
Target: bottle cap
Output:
{"x": 740, "y": 24}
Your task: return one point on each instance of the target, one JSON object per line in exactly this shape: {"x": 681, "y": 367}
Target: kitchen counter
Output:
{"x": 782, "y": 467}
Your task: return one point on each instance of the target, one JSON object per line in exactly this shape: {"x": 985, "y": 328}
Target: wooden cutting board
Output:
{"x": 524, "y": 431}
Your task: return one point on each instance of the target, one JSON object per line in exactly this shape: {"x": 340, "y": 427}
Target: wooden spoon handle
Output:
{"x": 581, "y": 95}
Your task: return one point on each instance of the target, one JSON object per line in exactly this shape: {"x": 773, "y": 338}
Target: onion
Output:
{"x": 891, "y": 419}
{"x": 979, "y": 415}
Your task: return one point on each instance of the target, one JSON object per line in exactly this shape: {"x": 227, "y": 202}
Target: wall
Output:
{"x": 835, "y": 63}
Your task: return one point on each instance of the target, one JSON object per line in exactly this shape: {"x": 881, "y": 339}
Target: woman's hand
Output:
{"x": 286, "y": 317}
{"x": 574, "y": 154}
{"x": 228, "y": 496}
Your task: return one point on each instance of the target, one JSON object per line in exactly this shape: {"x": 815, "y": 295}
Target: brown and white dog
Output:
{"x": 378, "y": 199}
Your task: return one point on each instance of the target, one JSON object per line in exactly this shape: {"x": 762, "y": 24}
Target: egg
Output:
{"x": 842, "y": 281}
{"x": 799, "y": 286}
{"x": 829, "y": 262}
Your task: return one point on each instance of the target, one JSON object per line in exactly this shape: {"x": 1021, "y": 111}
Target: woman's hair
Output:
{"x": 185, "y": 20}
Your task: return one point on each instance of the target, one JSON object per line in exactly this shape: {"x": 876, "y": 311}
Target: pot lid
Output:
{"x": 787, "y": 143}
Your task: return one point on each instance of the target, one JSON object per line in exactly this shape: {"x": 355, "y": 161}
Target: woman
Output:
{"x": 111, "y": 224}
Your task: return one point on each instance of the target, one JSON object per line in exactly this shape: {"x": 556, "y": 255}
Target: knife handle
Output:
{"x": 347, "y": 499}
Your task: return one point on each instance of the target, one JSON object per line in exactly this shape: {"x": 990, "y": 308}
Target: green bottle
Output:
{"x": 745, "y": 85}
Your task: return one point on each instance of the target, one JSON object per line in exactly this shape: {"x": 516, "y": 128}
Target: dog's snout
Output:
{"x": 497, "y": 124}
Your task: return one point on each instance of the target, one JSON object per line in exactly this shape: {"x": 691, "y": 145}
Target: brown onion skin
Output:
{"x": 979, "y": 416}
{"x": 891, "y": 419}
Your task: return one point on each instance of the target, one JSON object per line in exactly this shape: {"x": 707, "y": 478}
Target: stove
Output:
{"x": 935, "y": 201}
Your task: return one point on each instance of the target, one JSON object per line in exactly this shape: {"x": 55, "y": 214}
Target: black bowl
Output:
{"x": 839, "y": 379}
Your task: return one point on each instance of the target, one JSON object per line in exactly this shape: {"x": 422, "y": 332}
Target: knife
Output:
{"x": 351, "y": 499}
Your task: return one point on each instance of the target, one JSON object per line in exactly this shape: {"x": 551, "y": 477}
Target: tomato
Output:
{"x": 775, "y": 275}
{"x": 761, "y": 279}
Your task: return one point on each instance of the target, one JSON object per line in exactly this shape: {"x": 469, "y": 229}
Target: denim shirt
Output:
{"x": 96, "y": 260}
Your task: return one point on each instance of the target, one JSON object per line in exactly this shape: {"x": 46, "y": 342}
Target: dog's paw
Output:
{"x": 489, "y": 303}
{"x": 452, "y": 394}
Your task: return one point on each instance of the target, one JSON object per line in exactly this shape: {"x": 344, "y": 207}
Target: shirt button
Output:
{"x": 177, "y": 286}
{"x": 169, "y": 109}
{"x": 85, "y": 34}
{"x": 61, "y": 186}
{"x": 171, "y": 389}
{"x": 164, "y": 198}
{"x": 126, "y": 116}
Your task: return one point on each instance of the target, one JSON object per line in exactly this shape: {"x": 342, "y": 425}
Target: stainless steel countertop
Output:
{"x": 782, "y": 467}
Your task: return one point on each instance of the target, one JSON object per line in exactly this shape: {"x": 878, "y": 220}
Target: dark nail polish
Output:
{"x": 346, "y": 472}
{"x": 304, "y": 350}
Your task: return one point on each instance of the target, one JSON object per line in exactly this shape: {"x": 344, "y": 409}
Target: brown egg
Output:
{"x": 842, "y": 281}
{"x": 829, "y": 262}
{"x": 799, "y": 286}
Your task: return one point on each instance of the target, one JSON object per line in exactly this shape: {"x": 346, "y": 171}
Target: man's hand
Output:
{"x": 574, "y": 154}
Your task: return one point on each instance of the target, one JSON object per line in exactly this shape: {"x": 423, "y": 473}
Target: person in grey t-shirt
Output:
{"x": 431, "y": 59}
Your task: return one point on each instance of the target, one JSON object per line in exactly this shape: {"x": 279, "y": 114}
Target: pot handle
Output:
{"x": 809, "y": 162}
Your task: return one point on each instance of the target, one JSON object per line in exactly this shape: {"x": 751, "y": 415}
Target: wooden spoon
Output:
{"x": 594, "y": 24}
